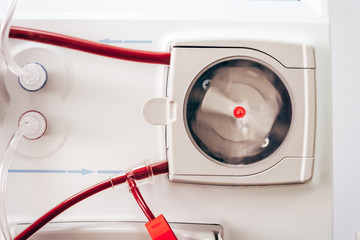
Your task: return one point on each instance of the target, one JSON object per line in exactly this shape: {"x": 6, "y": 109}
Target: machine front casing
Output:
{"x": 94, "y": 110}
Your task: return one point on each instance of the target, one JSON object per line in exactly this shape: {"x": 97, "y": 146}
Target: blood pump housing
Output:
{"x": 208, "y": 141}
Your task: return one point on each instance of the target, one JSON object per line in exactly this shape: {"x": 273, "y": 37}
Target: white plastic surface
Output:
{"x": 288, "y": 170}
{"x": 94, "y": 110}
{"x": 159, "y": 111}
{"x": 121, "y": 231}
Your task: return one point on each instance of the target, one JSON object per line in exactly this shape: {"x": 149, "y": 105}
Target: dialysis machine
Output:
{"x": 233, "y": 98}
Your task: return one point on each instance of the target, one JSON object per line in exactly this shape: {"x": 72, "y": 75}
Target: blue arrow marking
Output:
{"x": 35, "y": 171}
{"x": 108, "y": 41}
{"x": 138, "y": 41}
{"x": 83, "y": 171}
{"x": 110, "y": 171}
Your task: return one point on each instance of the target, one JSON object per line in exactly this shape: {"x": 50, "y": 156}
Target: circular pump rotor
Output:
{"x": 241, "y": 116}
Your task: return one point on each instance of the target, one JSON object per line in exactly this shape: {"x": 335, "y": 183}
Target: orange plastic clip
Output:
{"x": 159, "y": 229}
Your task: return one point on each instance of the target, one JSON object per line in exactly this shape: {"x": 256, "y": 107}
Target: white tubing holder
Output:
{"x": 33, "y": 77}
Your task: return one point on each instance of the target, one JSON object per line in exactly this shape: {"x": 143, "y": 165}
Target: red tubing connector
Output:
{"x": 158, "y": 228}
{"x": 139, "y": 199}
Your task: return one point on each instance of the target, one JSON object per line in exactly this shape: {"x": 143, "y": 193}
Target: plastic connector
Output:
{"x": 33, "y": 77}
{"x": 142, "y": 173}
{"x": 34, "y": 124}
{"x": 159, "y": 229}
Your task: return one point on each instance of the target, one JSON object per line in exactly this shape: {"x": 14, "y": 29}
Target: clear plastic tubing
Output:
{"x": 18, "y": 135}
{"x": 4, "y": 40}
{"x": 32, "y": 125}
{"x": 32, "y": 76}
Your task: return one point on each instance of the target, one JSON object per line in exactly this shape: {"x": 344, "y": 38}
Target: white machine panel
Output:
{"x": 96, "y": 128}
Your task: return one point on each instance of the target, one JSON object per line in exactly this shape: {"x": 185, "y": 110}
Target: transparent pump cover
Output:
{"x": 237, "y": 112}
